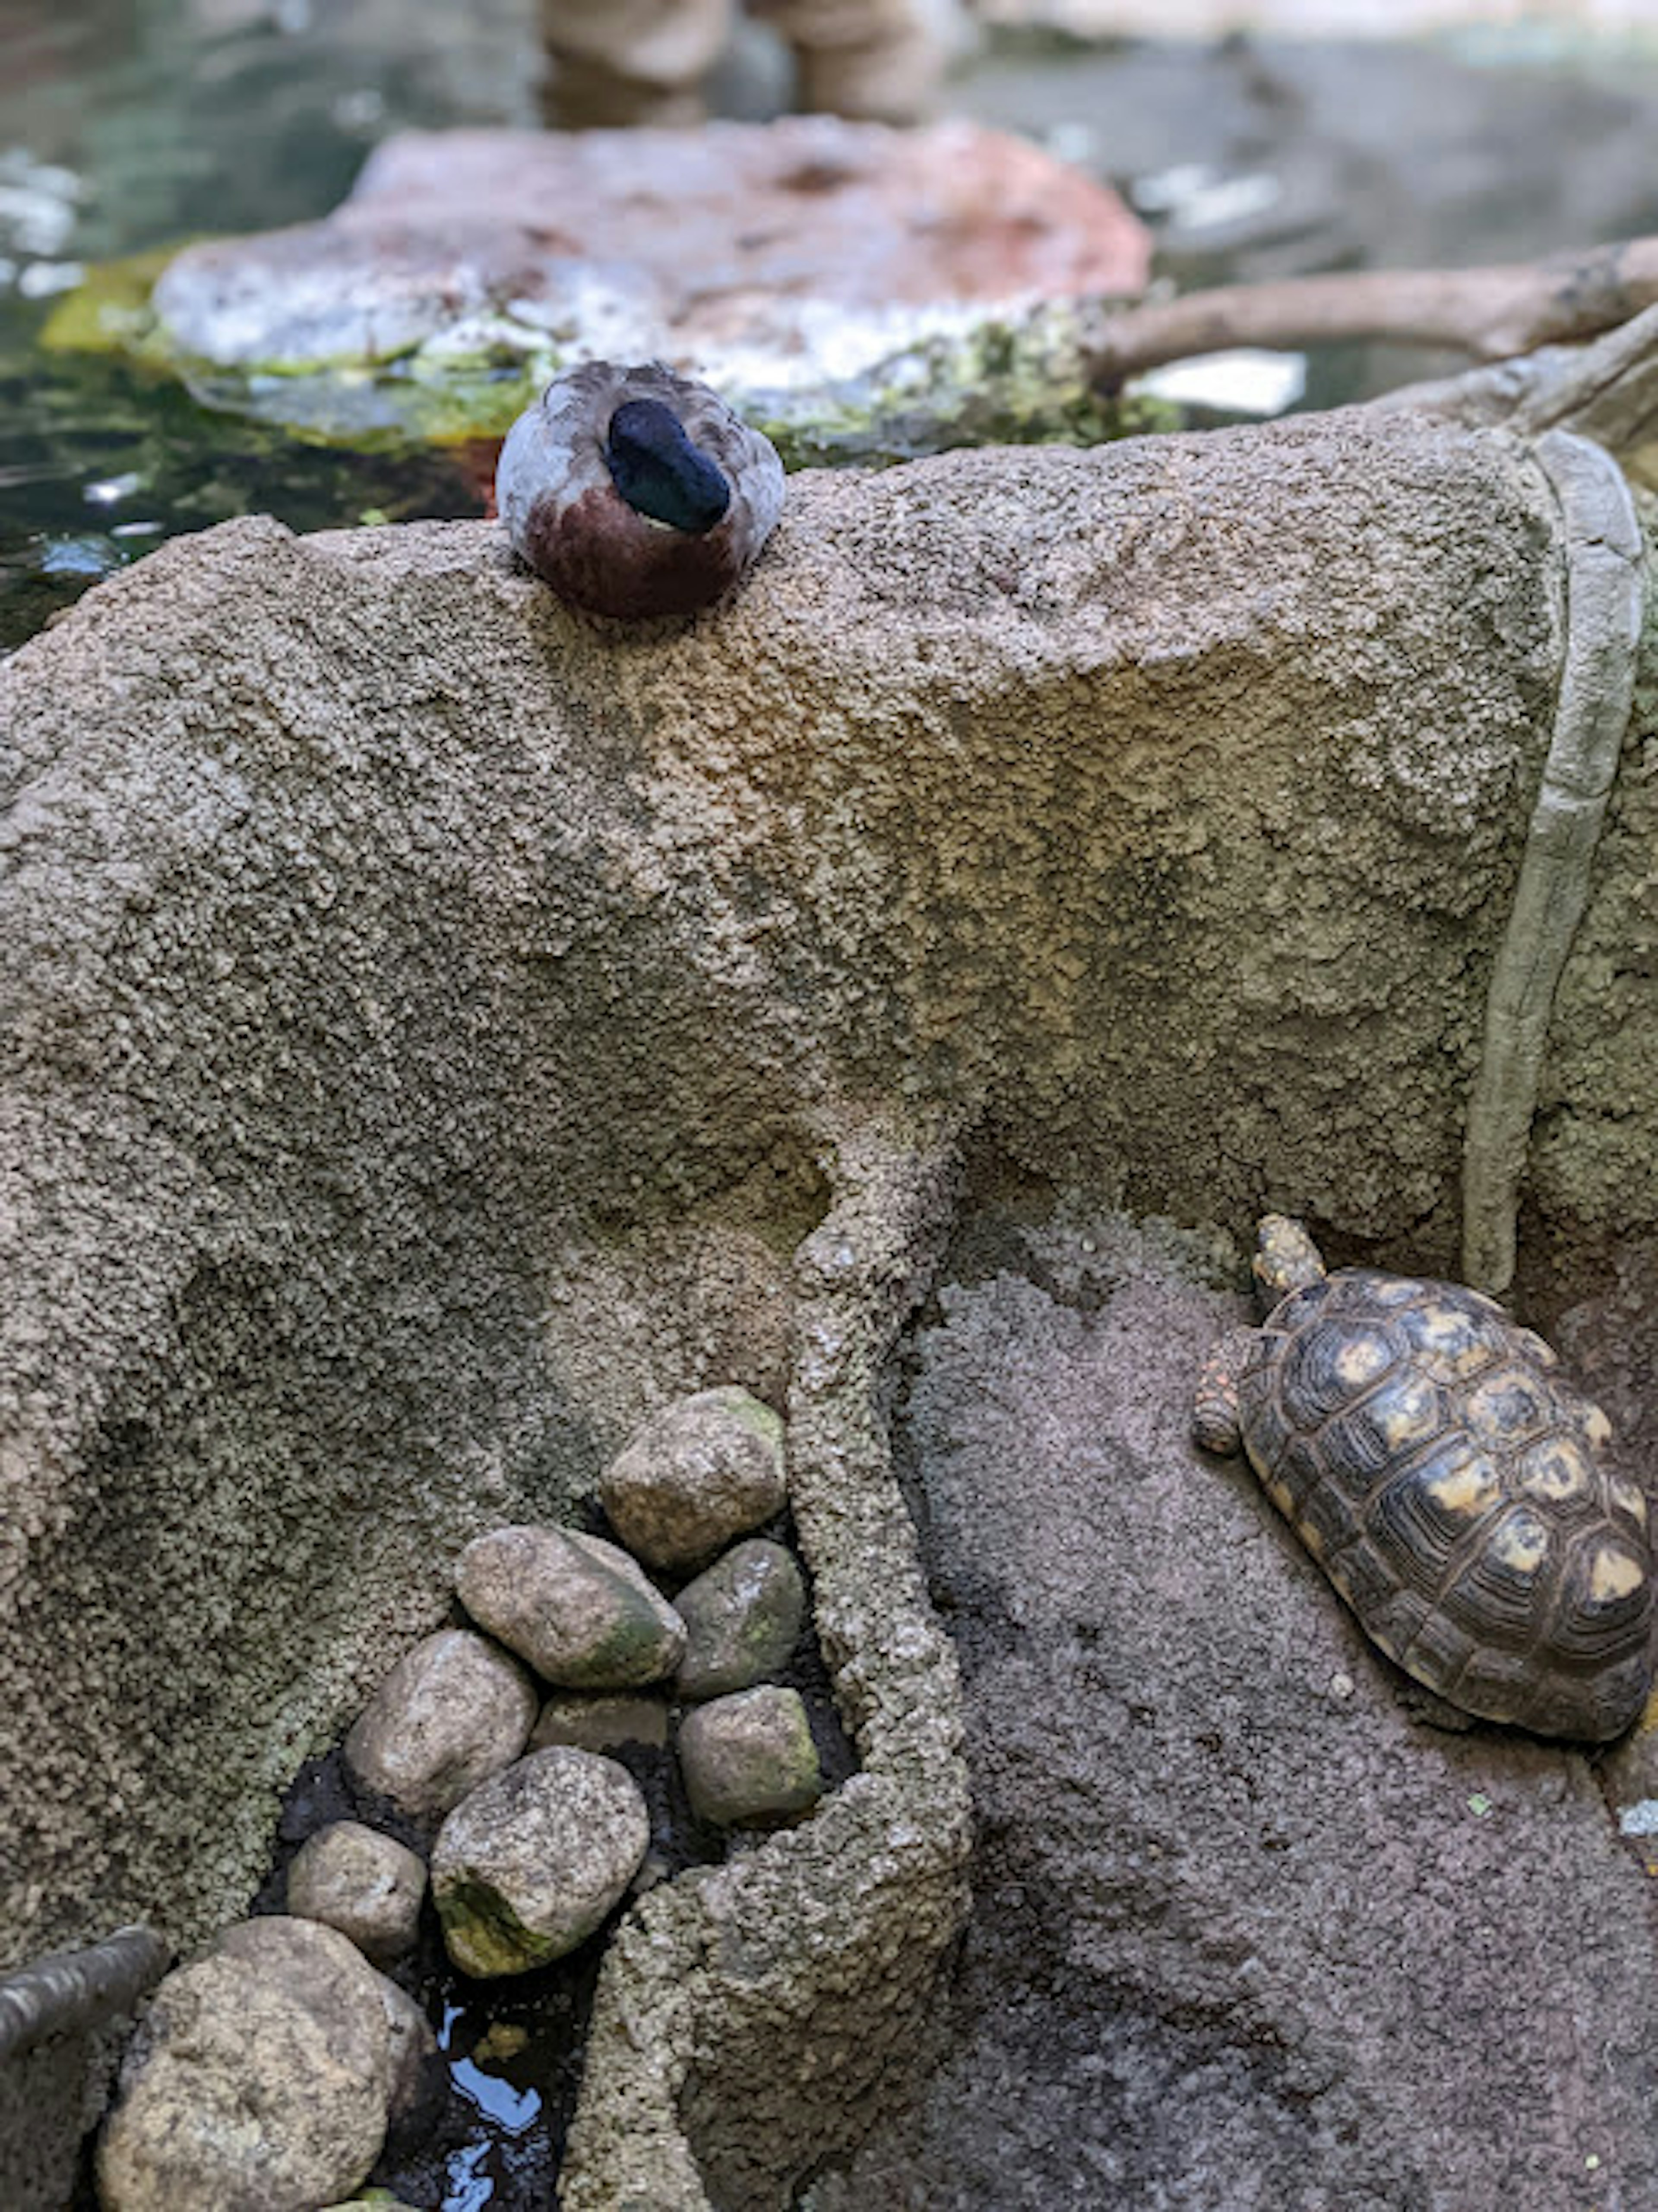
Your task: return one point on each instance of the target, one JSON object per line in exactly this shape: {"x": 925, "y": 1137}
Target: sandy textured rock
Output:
{"x": 707, "y": 1468}
{"x": 750, "y": 2018}
{"x": 527, "y": 1866}
{"x": 396, "y": 967}
{"x": 260, "y": 2080}
{"x": 285, "y": 1949}
{"x": 742, "y": 1619}
{"x": 366, "y": 1884}
{"x": 451, "y": 1712}
{"x": 1243, "y": 1930}
{"x": 583, "y": 1613}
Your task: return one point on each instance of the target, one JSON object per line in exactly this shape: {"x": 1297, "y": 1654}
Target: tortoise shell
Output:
{"x": 1458, "y": 1495}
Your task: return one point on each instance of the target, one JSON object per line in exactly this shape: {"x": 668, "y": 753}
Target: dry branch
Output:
{"x": 1489, "y": 314}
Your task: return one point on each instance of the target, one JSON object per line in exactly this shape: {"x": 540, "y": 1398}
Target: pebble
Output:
{"x": 709, "y": 1468}
{"x": 601, "y": 1723}
{"x": 583, "y": 1613}
{"x": 260, "y": 2080}
{"x": 749, "y": 1757}
{"x": 366, "y": 1884}
{"x": 742, "y": 1618}
{"x": 530, "y": 1863}
{"x": 451, "y": 1712}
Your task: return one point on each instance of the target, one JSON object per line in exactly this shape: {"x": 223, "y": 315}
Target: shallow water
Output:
{"x": 129, "y": 124}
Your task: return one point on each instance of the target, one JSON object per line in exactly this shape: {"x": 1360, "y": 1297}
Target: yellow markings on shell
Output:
{"x": 1466, "y": 1489}
{"x": 1597, "y": 1427}
{"x": 1359, "y": 1362}
{"x": 1506, "y": 1405}
{"x": 1555, "y": 1471}
{"x": 1450, "y": 1340}
{"x": 1520, "y": 1544}
{"x": 1539, "y": 1348}
{"x": 1614, "y": 1574}
{"x": 1406, "y": 1413}
{"x": 1630, "y": 1496}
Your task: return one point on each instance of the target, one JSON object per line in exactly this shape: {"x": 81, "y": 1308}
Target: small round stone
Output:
{"x": 601, "y": 1722}
{"x": 580, "y": 1610}
{"x": 532, "y": 1862}
{"x": 742, "y": 1619}
{"x": 366, "y": 1884}
{"x": 709, "y": 1468}
{"x": 451, "y": 1712}
{"x": 750, "y": 1757}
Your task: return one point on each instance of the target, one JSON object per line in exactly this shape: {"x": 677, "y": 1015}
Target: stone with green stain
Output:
{"x": 528, "y": 1867}
{"x": 749, "y": 1758}
{"x": 742, "y": 1619}
{"x": 707, "y": 1468}
{"x": 966, "y": 375}
{"x": 582, "y": 1612}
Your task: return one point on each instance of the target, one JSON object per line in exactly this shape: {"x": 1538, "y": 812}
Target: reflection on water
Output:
{"x": 127, "y": 125}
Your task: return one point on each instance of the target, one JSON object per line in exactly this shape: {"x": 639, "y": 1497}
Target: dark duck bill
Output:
{"x": 659, "y": 471}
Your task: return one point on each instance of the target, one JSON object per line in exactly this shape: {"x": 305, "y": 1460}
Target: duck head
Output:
{"x": 633, "y": 492}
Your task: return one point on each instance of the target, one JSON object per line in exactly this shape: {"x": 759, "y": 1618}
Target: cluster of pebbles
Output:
{"x": 267, "y": 2073}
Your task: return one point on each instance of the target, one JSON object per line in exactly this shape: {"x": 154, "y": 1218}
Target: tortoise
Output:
{"x": 1454, "y": 1489}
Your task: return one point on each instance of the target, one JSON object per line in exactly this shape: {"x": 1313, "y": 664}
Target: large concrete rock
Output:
{"x": 408, "y": 987}
{"x": 1245, "y": 1931}
{"x": 380, "y": 936}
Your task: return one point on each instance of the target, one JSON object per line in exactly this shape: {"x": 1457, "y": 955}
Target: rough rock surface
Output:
{"x": 1246, "y": 1932}
{"x": 259, "y": 2081}
{"x": 583, "y": 1613}
{"x": 748, "y": 2017}
{"x": 528, "y": 1867}
{"x": 706, "y": 1470}
{"x": 845, "y": 285}
{"x": 366, "y": 1884}
{"x": 451, "y": 1712}
{"x": 742, "y": 1618}
{"x": 284, "y": 1948}
{"x": 407, "y": 982}
{"x": 749, "y": 1757}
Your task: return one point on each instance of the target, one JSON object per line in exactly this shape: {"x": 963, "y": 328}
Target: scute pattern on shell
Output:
{"x": 1454, "y": 1490}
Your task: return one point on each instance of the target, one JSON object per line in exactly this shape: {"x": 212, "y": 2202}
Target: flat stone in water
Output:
{"x": 742, "y": 1618}
{"x": 580, "y": 1610}
{"x": 807, "y": 259}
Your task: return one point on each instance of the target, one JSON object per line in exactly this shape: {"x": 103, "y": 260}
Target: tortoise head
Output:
{"x": 1286, "y": 1257}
